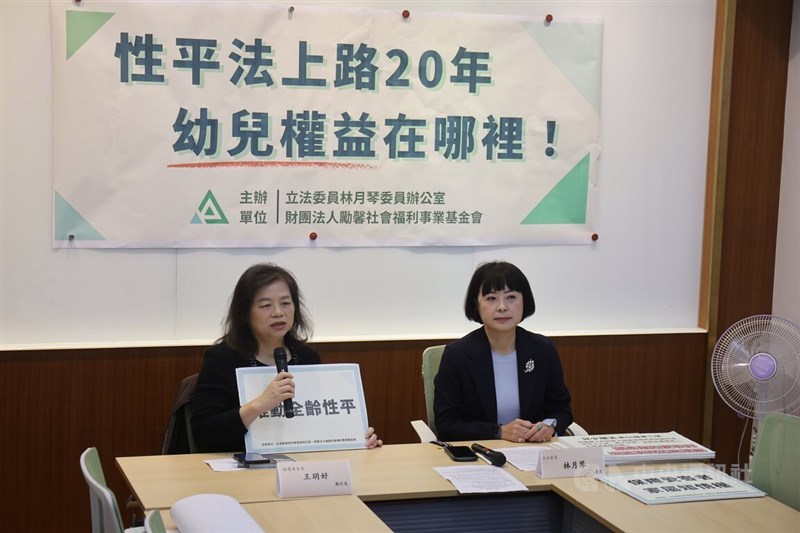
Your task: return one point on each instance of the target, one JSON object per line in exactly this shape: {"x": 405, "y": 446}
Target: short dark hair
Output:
{"x": 496, "y": 276}
{"x": 238, "y": 333}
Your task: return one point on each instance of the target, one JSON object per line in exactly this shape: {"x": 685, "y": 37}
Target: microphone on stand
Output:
{"x": 283, "y": 366}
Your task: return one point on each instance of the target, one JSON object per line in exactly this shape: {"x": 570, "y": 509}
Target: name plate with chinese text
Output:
{"x": 570, "y": 462}
{"x": 313, "y": 478}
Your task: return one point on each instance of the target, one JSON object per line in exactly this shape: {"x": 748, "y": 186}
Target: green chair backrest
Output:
{"x": 776, "y": 460}
{"x": 105, "y": 512}
{"x": 154, "y": 523}
{"x": 431, "y": 358}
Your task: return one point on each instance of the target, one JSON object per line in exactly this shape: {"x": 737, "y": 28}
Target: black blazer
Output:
{"x": 465, "y": 402}
{"x": 216, "y": 424}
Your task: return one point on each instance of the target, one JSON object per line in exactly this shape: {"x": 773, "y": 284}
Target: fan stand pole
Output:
{"x": 753, "y": 438}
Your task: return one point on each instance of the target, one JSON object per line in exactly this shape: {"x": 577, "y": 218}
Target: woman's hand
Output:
{"x": 525, "y": 431}
{"x": 372, "y": 439}
{"x": 516, "y": 430}
{"x": 540, "y": 432}
{"x": 281, "y": 388}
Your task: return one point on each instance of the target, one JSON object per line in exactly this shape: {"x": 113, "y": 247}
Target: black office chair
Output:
{"x": 178, "y": 437}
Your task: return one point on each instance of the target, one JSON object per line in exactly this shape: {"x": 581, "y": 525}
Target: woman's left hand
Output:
{"x": 372, "y": 439}
{"x": 540, "y": 432}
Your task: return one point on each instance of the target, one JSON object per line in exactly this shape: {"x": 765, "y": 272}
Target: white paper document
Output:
{"x": 523, "y": 457}
{"x": 480, "y": 479}
{"x": 212, "y": 513}
{"x": 630, "y": 448}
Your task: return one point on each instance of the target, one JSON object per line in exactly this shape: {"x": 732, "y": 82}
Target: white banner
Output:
{"x": 329, "y": 410}
{"x": 227, "y": 124}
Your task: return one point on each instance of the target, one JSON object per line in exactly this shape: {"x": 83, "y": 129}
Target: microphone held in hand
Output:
{"x": 282, "y": 365}
{"x": 494, "y": 457}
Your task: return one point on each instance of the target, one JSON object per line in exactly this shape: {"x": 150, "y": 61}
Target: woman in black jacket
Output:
{"x": 266, "y": 312}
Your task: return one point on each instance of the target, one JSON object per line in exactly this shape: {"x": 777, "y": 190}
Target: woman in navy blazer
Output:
{"x": 500, "y": 381}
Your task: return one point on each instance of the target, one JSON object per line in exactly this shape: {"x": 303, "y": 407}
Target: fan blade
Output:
{"x": 738, "y": 374}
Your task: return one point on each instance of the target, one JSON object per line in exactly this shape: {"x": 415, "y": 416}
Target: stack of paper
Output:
{"x": 625, "y": 448}
{"x": 480, "y": 479}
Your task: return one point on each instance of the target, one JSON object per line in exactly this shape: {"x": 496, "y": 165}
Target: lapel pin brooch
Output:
{"x": 529, "y": 366}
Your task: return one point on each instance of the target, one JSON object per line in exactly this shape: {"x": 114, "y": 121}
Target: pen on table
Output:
{"x": 440, "y": 443}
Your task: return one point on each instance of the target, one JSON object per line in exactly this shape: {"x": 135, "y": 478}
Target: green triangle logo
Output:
{"x": 81, "y": 25}
{"x": 209, "y": 211}
{"x": 566, "y": 202}
{"x": 67, "y": 223}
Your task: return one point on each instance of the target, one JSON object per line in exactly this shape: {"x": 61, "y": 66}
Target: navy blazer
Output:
{"x": 465, "y": 402}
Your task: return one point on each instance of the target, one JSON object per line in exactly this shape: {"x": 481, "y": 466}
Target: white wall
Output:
{"x": 642, "y": 275}
{"x": 786, "y": 296}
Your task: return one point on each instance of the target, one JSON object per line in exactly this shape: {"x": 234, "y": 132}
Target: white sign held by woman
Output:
{"x": 329, "y": 410}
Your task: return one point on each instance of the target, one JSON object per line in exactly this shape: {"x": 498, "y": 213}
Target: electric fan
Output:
{"x": 755, "y": 367}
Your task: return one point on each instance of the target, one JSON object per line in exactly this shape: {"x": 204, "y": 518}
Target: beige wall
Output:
{"x": 786, "y": 299}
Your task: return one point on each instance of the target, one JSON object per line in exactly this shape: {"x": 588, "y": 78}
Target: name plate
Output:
{"x": 571, "y": 462}
{"x": 313, "y": 478}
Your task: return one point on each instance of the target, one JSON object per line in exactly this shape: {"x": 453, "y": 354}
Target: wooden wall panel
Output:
{"x": 632, "y": 383}
{"x": 57, "y": 403}
{"x": 752, "y": 188}
{"x": 392, "y": 376}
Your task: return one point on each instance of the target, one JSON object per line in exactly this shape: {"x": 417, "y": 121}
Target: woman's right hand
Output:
{"x": 281, "y": 388}
{"x": 516, "y": 430}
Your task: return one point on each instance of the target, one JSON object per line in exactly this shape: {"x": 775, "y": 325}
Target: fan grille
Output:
{"x": 744, "y": 388}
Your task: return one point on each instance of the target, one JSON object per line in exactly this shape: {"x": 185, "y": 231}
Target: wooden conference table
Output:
{"x": 403, "y": 474}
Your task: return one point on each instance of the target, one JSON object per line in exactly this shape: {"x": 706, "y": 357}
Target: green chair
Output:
{"x": 776, "y": 464}
{"x": 431, "y": 358}
{"x": 154, "y": 522}
{"x": 105, "y": 512}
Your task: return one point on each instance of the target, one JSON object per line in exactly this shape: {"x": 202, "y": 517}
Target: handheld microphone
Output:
{"x": 283, "y": 366}
{"x": 494, "y": 457}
